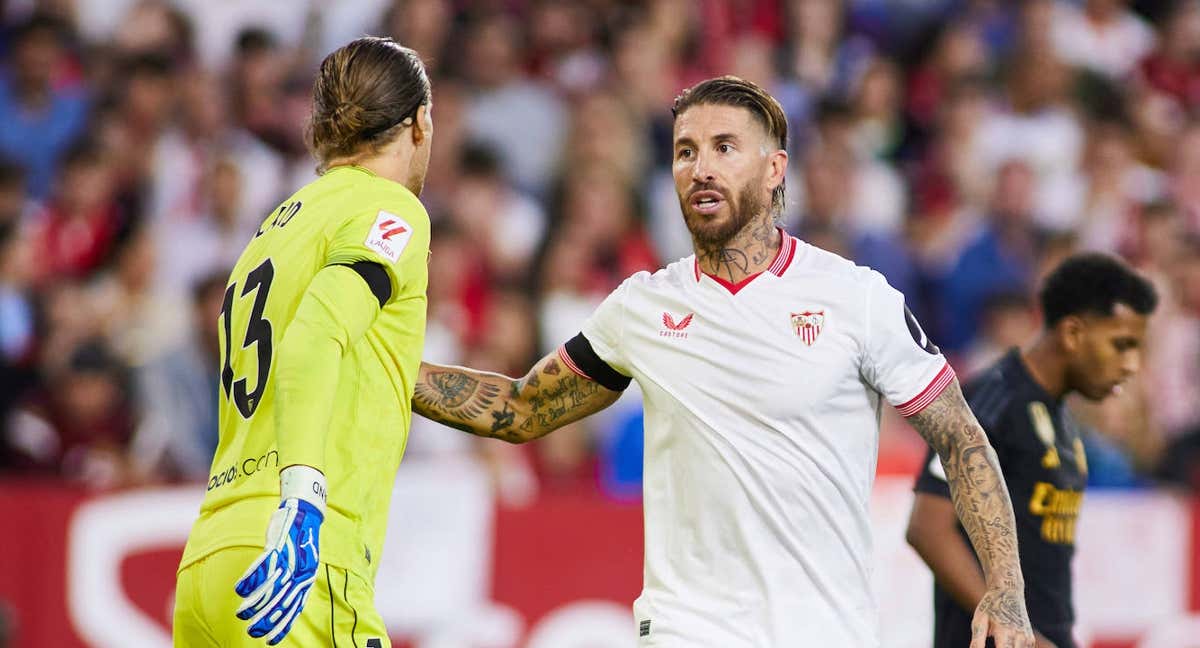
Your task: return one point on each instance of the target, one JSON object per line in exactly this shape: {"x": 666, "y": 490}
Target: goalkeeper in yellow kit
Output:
{"x": 321, "y": 337}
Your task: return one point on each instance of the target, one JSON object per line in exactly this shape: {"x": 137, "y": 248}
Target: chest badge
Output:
{"x": 1043, "y": 425}
{"x": 808, "y": 325}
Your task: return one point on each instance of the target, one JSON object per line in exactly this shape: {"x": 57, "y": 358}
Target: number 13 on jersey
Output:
{"x": 257, "y": 333}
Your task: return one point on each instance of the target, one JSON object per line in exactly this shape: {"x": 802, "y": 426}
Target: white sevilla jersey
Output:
{"x": 762, "y": 409}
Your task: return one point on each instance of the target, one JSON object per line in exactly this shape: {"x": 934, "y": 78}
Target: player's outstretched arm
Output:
{"x": 981, "y": 499}
{"x": 513, "y": 409}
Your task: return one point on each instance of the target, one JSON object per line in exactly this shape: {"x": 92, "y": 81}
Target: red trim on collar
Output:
{"x": 783, "y": 259}
{"x": 733, "y": 288}
{"x": 779, "y": 265}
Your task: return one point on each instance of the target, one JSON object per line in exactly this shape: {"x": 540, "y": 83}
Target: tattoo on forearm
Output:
{"x": 503, "y": 418}
{"x": 550, "y": 407}
{"x": 455, "y": 393}
{"x": 503, "y": 408}
{"x": 980, "y": 496}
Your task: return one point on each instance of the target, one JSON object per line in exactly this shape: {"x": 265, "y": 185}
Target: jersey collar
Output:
{"x": 782, "y": 261}
{"x": 1017, "y": 369}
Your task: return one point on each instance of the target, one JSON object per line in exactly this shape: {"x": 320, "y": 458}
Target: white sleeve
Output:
{"x": 900, "y": 362}
{"x": 604, "y": 329}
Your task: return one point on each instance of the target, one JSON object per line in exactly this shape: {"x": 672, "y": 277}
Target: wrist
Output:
{"x": 304, "y": 483}
{"x": 1005, "y": 580}
{"x": 1006, "y": 584}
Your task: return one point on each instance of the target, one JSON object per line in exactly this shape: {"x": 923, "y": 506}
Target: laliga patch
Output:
{"x": 389, "y": 235}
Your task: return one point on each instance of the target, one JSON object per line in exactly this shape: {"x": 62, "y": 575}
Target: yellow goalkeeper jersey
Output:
{"x": 346, "y": 216}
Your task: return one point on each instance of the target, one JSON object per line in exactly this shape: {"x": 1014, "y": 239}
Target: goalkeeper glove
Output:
{"x": 276, "y": 586}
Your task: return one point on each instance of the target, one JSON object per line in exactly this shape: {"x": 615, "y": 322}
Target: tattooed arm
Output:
{"x": 981, "y": 500}
{"x": 515, "y": 410}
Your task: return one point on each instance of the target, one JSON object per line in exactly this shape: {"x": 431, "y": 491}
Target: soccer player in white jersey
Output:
{"x": 763, "y": 362}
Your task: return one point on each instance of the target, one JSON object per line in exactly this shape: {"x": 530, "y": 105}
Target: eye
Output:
{"x": 724, "y": 148}
{"x": 1125, "y": 344}
{"x": 684, "y": 153}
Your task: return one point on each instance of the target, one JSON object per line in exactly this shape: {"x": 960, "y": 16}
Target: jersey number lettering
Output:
{"x": 258, "y": 333}
{"x": 282, "y": 216}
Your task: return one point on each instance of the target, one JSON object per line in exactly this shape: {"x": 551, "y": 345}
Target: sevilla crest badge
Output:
{"x": 808, "y": 325}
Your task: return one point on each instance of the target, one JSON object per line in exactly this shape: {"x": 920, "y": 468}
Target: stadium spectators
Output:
{"x": 42, "y": 104}
{"x": 77, "y": 426}
{"x": 177, "y": 418}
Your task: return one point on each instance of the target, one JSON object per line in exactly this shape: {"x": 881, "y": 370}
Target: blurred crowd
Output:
{"x": 961, "y": 147}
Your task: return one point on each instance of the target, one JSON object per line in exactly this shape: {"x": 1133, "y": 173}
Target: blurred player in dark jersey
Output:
{"x": 1095, "y": 311}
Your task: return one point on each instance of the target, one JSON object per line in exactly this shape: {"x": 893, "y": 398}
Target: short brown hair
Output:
{"x": 734, "y": 91}
{"x": 365, "y": 92}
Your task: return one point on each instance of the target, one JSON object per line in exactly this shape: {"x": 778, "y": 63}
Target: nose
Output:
{"x": 1132, "y": 362}
{"x": 701, "y": 170}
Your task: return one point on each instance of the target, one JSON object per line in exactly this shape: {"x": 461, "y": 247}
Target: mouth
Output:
{"x": 706, "y": 202}
{"x": 1115, "y": 389}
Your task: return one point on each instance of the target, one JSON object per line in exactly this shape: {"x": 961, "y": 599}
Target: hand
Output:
{"x": 276, "y": 585}
{"x": 1001, "y": 615}
{"x": 1040, "y": 641}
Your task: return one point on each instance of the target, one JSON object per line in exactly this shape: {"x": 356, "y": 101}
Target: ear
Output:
{"x": 1069, "y": 331}
{"x": 423, "y": 124}
{"x": 778, "y": 161}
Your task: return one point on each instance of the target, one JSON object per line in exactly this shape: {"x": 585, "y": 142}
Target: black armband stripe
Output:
{"x": 581, "y": 358}
{"x": 376, "y": 278}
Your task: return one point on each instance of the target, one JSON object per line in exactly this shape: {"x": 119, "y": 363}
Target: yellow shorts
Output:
{"x": 340, "y": 611}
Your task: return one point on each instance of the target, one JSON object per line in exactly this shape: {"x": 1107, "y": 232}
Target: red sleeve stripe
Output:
{"x": 566, "y": 358}
{"x": 927, "y": 395}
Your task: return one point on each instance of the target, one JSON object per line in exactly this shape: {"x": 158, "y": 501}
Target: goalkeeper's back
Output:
{"x": 322, "y": 329}
{"x": 344, "y": 217}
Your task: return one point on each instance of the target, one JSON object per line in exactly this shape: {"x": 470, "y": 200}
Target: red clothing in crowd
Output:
{"x": 67, "y": 246}
{"x": 1179, "y": 79}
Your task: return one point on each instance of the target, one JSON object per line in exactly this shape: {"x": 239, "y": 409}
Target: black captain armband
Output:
{"x": 376, "y": 278}
{"x": 581, "y": 357}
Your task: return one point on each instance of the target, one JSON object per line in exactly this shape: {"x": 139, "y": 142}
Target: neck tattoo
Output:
{"x": 748, "y": 252}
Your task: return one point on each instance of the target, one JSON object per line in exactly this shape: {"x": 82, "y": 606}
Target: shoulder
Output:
{"x": 811, "y": 260}
{"x": 362, "y": 206}
{"x": 666, "y": 278}
{"x": 372, "y": 195}
{"x": 837, "y": 280}
{"x": 347, "y": 193}
{"x": 991, "y": 395}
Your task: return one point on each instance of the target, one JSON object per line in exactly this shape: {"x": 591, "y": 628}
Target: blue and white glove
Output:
{"x": 277, "y": 585}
